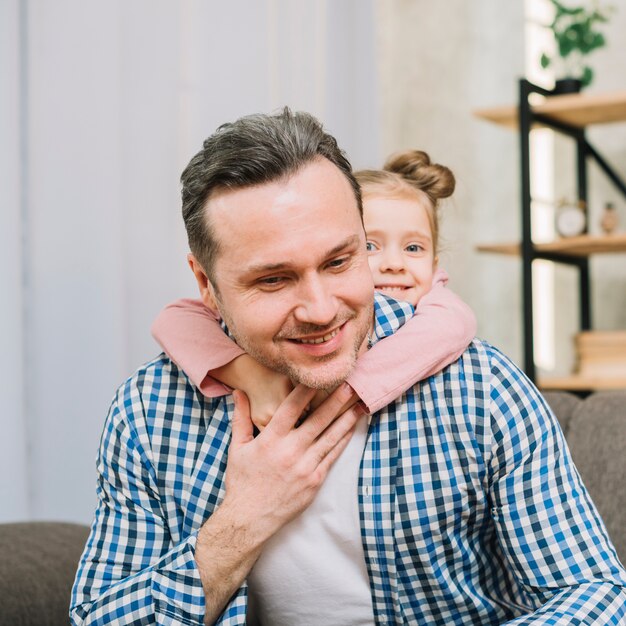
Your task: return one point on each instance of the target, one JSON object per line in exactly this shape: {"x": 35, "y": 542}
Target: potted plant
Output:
{"x": 576, "y": 34}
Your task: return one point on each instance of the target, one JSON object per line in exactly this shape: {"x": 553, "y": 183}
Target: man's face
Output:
{"x": 292, "y": 278}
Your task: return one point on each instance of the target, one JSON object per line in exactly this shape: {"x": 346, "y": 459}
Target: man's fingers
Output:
{"x": 350, "y": 403}
{"x": 318, "y": 421}
{"x": 327, "y": 462}
{"x": 328, "y": 441}
{"x": 243, "y": 429}
{"x": 290, "y": 411}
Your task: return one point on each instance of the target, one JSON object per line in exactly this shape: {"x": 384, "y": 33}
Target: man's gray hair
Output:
{"x": 253, "y": 150}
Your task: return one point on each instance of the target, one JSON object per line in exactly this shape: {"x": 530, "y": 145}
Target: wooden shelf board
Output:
{"x": 578, "y": 109}
{"x": 504, "y": 115}
{"x": 581, "y": 246}
{"x": 511, "y": 249}
{"x": 580, "y": 383}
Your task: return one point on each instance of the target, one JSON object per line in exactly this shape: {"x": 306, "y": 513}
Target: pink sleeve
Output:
{"x": 191, "y": 336}
{"x": 437, "y": 335}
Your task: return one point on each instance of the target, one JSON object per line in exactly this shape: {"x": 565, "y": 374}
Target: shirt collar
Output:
{"x": 389, "y": 315}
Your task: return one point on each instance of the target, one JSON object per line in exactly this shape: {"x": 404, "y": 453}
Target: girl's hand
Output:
{"x": 266, "y": 389}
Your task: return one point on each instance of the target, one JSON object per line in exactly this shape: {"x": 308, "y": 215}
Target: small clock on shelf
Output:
{"x": 571, "y": 219}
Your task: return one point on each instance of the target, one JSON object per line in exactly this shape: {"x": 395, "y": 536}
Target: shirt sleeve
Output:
{"x": 437, "y": 335}
{"x": 190, "y": 334}
{"x": 130, "y": 571}
{"x": 551, "y": 535}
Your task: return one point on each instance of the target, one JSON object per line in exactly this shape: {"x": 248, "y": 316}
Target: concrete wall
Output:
{"x": 439, "y": 61}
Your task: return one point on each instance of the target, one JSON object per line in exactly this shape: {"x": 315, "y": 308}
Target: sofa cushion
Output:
{"x": 37, "y": 569}
{"x": 597, "y": 439}
{"x": 563, "y": 406}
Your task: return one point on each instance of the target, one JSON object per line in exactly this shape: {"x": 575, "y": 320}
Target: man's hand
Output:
{"x": 275, "y": 476}
{"x": 270, "y": 479}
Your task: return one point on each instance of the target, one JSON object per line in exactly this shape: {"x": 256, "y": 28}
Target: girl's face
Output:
{"x": 400, "y": 246}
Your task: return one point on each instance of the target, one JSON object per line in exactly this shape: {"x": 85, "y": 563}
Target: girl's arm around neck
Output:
{"x": 436, "y": 336}
{"x": 191, "y": 336}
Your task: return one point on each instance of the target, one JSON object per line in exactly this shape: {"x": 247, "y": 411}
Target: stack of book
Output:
{"x": 601, "y": 354}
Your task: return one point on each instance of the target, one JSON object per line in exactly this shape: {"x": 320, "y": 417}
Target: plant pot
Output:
{"x": 567, "y": 85}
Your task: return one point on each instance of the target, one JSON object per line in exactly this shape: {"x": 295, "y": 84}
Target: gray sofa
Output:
{"x": 595, "y": 429}
{"x": 38, "y": 560}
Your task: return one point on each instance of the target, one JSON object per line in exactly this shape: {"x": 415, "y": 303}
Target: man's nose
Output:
{"x": 317, "y": 302}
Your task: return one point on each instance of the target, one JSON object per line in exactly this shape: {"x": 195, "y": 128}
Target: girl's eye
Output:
{"x": 371, "y": 247}
{"x": 413, "y": 248}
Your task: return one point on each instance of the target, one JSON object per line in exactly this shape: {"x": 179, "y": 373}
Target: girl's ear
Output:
{"x": 207, "y": 291}
{"x": 435, "y": 262}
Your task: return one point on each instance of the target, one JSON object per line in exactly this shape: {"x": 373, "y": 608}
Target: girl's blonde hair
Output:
{"x": 411, "y": 174}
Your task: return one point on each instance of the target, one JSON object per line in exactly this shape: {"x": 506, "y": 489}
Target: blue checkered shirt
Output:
{"x": 471, "y": 509}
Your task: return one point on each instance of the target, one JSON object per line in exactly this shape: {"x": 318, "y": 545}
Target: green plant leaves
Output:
{"x": 587, "y": 76}
{"x": 576, "y": 35}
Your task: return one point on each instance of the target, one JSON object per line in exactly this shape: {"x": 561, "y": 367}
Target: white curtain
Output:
{"x": 103, "y": 103}
{"x": 13, "y": 448}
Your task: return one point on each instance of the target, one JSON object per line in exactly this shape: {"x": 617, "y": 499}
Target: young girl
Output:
{"x": 400, "y": 204}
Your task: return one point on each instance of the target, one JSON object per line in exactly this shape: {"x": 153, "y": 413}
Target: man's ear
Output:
{"x": 207, "y": 291}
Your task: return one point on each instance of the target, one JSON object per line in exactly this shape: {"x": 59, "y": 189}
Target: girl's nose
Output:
{"x": 391, "y": 261}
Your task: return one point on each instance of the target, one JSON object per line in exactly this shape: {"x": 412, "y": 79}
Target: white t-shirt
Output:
{"x": 313, "y": 572}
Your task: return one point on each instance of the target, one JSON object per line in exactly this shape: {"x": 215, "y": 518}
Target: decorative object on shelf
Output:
{"x": 609, "y": 220}
{"x": 571, "y": 218}
{"x": 576, "y": 34}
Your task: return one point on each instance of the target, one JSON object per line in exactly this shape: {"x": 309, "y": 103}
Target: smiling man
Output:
{"x": 455, "y": 504}
{"x": 302, "y": 305}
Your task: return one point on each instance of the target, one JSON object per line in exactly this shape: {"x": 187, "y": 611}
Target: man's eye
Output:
{"x": 414, "y": 248}
{"x": 338, "y": 262}
{"x": 272, "y": 281}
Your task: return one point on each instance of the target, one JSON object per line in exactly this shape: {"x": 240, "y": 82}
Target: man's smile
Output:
{"x": 326, "y": 344}
{"x": 318, "y": 340}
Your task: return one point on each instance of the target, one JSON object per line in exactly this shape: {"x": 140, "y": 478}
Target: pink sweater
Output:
{"x": 437, "y": 335}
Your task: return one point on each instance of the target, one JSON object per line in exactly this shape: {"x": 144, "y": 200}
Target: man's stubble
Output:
{"x": 314, "y": 377}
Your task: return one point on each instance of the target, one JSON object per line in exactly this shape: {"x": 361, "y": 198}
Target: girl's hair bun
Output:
{"x": 414, "y": 166}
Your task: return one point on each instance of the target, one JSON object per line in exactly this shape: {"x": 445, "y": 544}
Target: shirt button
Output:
{"x": 367, "y": 491}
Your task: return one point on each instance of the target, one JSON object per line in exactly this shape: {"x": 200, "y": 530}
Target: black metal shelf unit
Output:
{"x": 584, "y": 150}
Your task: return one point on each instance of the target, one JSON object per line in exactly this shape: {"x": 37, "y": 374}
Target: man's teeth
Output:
{"x": 320, "y": 339}
{"x": 393, "y": 288}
